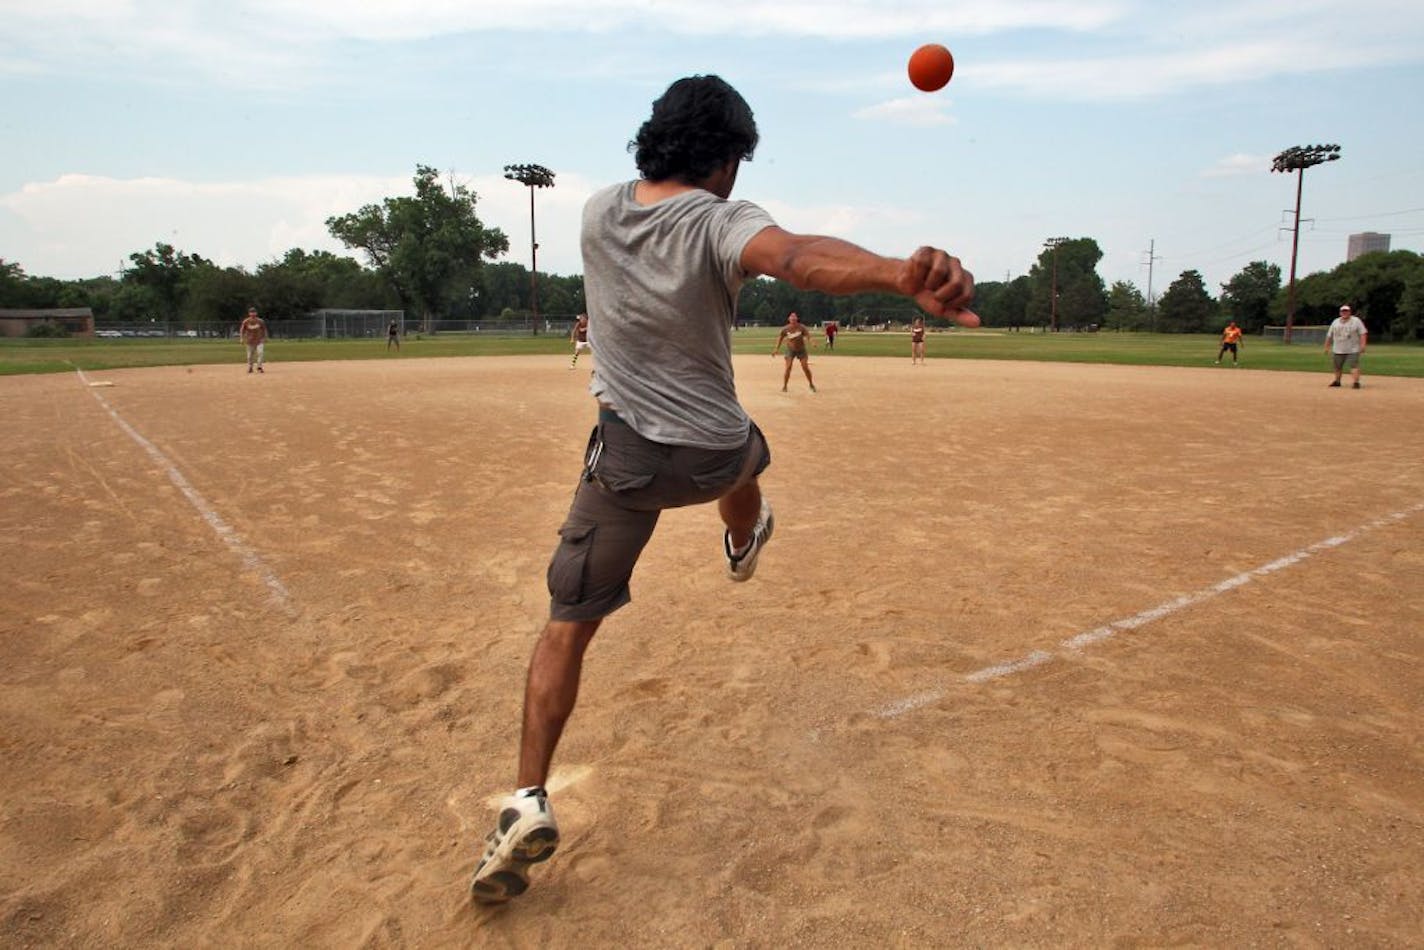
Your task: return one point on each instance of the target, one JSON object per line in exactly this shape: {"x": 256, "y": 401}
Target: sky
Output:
{"x": 233, "y": 129}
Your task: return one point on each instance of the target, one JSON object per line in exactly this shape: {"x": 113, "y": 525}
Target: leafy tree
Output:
{"x": 560, "y": 295}
{"x": 1127, "y": 308}
{"x": 219, "y": 295}
{"x": 12, "y": 285}
{"x": 313, "y": 279}
{"x": 428, "y": 246}
{"x": 1002, "y": 304}
{"x": 92, "y": 292}
{"x": 132, "y": 303}
{"x": 163, "y": 272}
{"x": 1409, "y": 323}
{"x": 1374, "y": 284}
{"x": 1082, "y": 297}
{"x": 1013, "y": 304}
{"x": 1186, "y": 307}
{"x": 1246, "y": 298}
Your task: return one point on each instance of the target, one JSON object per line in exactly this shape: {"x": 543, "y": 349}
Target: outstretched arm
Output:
{"x": 937, "y": 282}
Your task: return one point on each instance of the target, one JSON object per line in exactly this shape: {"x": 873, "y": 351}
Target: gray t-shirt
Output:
{"x": 661, "y": 282}
{"x": 1346, "y": 334}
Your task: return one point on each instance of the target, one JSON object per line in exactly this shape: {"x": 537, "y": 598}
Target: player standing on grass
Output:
{"x": 393, "y": 336}
{"x": 796, "y": 337}
{"x": 664, "y": 258}
{"x": 253, "y": 332}
{"x": 1230, "y": 340}
{"x": 579, "y": 337}
{"x": 1346, "y": 341}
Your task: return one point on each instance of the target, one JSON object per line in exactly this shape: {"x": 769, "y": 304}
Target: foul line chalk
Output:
{"x": 249, "y": 557}
{"x": 1075, "y": 644}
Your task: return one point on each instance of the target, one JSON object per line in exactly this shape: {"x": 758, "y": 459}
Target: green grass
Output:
{"x": 1133, "y": 349}
{"x": 1136, "y": 349}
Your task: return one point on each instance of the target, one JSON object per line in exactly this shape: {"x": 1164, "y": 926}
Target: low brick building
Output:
{"x": 79, "y": 321}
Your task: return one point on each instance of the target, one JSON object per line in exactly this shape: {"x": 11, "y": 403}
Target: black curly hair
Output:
{"x": 697, "y": 126}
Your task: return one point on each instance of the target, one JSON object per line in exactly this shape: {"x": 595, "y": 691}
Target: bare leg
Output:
{"x": 740, "y": 509}
{"x": 806, "y": 368}
{"x": 786, "y": 376}
{"x": 550, "y": 694}
{"x": 1355, "y": 374}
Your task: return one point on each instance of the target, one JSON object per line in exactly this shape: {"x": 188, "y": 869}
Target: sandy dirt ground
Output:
{"x": 1041, "y": 655}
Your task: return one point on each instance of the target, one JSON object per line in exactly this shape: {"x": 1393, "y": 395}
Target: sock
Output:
{"x": 530, "y": 792}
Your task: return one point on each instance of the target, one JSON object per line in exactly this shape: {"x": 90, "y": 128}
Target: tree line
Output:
{"x": 430, "y": 255}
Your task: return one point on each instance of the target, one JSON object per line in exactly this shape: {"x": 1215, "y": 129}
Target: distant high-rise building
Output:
{"x": 1366, "y": 243}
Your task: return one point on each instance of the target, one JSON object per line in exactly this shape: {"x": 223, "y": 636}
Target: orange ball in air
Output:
{"x": 931, "y": 67}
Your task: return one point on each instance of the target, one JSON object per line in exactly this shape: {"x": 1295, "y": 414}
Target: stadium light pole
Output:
{"x": 1053, "y": 301}
{"x": 535, "y": 176}
{"x": 1297, "y": 159}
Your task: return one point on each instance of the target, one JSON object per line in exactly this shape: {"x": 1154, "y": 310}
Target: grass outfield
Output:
{"x": 57, "y": 356}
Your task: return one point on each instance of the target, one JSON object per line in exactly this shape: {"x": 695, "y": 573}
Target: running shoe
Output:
{"x": 741, "y": 566}
{"x": 524, "y": 834}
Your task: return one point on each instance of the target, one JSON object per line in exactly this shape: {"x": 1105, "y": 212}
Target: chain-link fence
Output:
{"x": 354, "y": 324}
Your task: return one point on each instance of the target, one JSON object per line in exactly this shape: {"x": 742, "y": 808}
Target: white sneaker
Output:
{"x": 741, "y": 567}
{"x": 525, "y": 833}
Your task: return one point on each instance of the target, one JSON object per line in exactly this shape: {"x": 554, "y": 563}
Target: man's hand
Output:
{"x": 939, "y": 284}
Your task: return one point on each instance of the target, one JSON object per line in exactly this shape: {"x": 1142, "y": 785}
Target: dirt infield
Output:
{"x": 264, "y": 640}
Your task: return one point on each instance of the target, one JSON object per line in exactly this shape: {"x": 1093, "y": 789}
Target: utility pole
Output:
{"x": 1152, "y": 258}
{"x": 1297, "y": 159}
{"x": 535, "y": 176}
{"x": 1053, "y": 302}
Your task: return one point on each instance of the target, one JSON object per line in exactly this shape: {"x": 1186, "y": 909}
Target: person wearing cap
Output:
{"x": 1345, "y": 341}
{"x": 253, "y": 332}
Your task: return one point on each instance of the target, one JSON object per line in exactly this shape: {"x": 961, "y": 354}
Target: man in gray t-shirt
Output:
{"x": 663, "y": 326}
{"x": 1345, "y": 341}
{"x": 664, "y": 259}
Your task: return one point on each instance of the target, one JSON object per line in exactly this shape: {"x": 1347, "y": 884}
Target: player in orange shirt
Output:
{"x": 1230, "y": 340}
{"x": 253, "y": 332}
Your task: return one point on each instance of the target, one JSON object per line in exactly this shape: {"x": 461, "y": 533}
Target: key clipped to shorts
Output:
{"x": 593, "y": 453}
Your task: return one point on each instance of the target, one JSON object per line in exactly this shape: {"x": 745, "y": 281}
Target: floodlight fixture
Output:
{"x": 535, "y": 176}
{"x": 1297, "y": 159}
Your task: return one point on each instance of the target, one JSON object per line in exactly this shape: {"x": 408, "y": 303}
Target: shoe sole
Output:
{"x": 749, "y": 567}
{"x": 512, "y": 877}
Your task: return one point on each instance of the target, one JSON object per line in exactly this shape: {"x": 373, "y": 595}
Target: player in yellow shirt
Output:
{"x": 1230, "y": 340}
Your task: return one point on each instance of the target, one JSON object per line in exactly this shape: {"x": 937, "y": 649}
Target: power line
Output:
{"x": 1379, "y": 214}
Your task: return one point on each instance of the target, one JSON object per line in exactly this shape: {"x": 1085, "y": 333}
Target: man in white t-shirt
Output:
{"x": 664, "y": 259}
{"x": 1345, "y": 341}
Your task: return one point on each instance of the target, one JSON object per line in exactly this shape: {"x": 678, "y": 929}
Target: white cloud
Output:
{"x": 86, "y": 225}
{"x": 1115, "y": 49}
{"x": 279, "y": 44}
{"x": 885, "y": 229}
{"x": 377, "y": 20}
{"x": 922, "y": 110}
{"x": 1157, "y": 52}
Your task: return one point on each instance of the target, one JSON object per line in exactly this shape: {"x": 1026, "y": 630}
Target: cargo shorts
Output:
{"x": 627, "y": 481}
